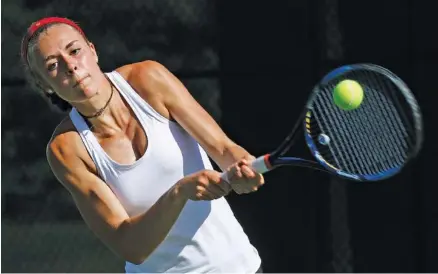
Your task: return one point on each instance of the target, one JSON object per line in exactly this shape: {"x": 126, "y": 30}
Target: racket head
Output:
{"x": 372, "y": 142}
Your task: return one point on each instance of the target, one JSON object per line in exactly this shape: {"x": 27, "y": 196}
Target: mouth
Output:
{"x": 80, "y": 81}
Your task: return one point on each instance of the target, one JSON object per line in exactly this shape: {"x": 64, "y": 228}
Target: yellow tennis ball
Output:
{"x": 348, "y": 95}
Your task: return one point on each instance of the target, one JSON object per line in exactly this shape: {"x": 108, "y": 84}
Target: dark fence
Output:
{"x": 251, "y": 65}
{"x": 304, "y": 221}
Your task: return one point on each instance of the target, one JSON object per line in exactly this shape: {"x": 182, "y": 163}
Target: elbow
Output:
{"x": 133, "y": 257}
{"x": 128, "y": 248}
{"x": 135, "y": 260}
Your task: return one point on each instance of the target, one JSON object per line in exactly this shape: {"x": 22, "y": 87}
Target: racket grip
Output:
{"x": 259, "y": 165}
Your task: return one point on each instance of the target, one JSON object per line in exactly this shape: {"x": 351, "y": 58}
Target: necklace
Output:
{"x": 100, "y": 111}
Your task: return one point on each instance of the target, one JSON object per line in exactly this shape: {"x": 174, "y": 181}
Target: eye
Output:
{"x": 52, "y": 66}
{"x": 75, "y": 51}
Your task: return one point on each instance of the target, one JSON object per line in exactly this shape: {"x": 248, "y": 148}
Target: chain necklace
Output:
{"x": 100, "y": 111}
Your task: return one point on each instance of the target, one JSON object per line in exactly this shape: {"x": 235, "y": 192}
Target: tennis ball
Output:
{"x": 348, "y": 95}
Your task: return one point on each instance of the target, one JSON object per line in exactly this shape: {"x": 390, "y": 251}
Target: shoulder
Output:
{"x": 153, "y": 82}
{"x": 65, "y": 150}
{"x": 145, "y": 75}
{"x": 63, "y": 136}
{"x": 140, "y": 70}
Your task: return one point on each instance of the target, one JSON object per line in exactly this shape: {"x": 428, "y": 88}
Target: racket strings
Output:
{"x": 393, "y": 123}
{"x": 376, "y": 141}
{"x": 350, "y": 165}
{"x": 361, "y": 144}
{"x": 385, "y": 145}
{"x": 383, "y": 141}
{"x": 390, "y": 90}
{"x": 391, "y": 112}
{"x": 353, "y": 145}
{"x": 371, "y": 139}
{"x": 326, "y": 151}
{"x": 341, "y": 153}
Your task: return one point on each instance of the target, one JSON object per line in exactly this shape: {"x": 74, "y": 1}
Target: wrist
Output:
{"x": 177, "y": 193}
{"x": 232, "y": 154}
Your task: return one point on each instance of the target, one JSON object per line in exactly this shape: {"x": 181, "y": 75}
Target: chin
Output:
{"x": 83, "y": 96}
{"x": 89, "y": 93}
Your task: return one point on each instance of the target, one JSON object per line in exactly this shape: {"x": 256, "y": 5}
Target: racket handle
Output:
{"x": 259, "y": 165}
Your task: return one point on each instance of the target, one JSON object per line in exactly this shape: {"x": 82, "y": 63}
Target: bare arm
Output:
{"x": 152, "y": 79}
{"x": 135, "y": 238}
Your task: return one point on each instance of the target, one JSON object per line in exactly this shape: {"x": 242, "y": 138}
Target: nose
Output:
{"x": 71, "y": 66}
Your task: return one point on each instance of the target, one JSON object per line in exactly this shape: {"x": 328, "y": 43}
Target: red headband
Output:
{"x": 41, "y": 23}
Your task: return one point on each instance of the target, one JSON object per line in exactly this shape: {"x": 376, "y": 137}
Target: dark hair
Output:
{"x": 35, "y": 80}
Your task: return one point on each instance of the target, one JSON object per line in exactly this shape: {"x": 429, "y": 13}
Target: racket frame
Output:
{"x": 276, "y": 158}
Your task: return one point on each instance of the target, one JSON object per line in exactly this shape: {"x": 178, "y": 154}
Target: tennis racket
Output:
{"x": 370, "y": 143}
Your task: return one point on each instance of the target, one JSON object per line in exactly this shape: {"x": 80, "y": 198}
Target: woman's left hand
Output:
{"x": 242, "y": 178}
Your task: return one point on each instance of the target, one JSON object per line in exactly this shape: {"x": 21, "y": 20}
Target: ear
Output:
{"x": 93, "y": 50}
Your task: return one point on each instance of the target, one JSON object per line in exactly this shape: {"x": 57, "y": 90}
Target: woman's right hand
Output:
{"x": 203, "y": 185}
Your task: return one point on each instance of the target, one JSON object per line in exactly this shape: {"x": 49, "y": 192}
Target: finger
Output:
{"x": 246, "y": 160}
{"x": 248, "y": 172}
{"x": 214, "y": 192}
{"x": 238, "y": 190}
{"x": 203, "y": 195}
{"x": 242, "y": 191}
{"x": 220, "y": 183}
{"x": 224, "y": 186}
{"x": 245, "y": 188}
{"x": 208, "y": 195}
{"x": 235, "y": 173}
{"x": 219, "y": 190}
{"x": 261, "y": 179}
{"x": 243, "y": 162}
{"x": 198, "y": 197}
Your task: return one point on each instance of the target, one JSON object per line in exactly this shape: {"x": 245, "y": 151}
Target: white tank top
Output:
{"x": 206, "y": 236}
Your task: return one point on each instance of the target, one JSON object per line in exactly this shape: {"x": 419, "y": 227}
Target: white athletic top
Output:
{"x": 206, "y": 236}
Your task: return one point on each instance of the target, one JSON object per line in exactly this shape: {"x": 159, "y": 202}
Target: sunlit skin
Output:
{"x": 64, "y": 62}
{"x": 68, "y": 65}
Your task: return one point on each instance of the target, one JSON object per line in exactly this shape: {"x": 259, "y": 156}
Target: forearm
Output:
{"x": 142, "y": 234}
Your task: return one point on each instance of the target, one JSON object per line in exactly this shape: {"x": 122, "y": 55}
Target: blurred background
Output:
{"x": 251, "y": 64}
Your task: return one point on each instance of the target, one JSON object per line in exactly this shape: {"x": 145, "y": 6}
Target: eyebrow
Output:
{"x": 66, "y": 47}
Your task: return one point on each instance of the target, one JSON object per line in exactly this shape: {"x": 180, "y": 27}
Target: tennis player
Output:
{"x": 133, "y": 152}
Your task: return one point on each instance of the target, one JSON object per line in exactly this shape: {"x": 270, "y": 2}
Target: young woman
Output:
{"x": 133, "y": 154}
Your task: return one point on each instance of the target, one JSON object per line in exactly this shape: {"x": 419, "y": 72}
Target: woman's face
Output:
{"x": 66, "y": 63}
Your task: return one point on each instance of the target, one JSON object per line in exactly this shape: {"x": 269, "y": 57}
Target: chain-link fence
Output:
{"x": 333, "y": 53}
{"x": 41, "y": 228}
{"x": 273, "y": 49}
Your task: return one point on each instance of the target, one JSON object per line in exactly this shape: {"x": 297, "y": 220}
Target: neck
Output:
{"x": 100, "y": 111}
{"x": 96, "y": 106}
{"x": 109, "y": 115}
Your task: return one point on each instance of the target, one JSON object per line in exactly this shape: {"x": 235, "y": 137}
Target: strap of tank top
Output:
{"x": 138, "y": 104}
{"x": 89, "y": 140}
